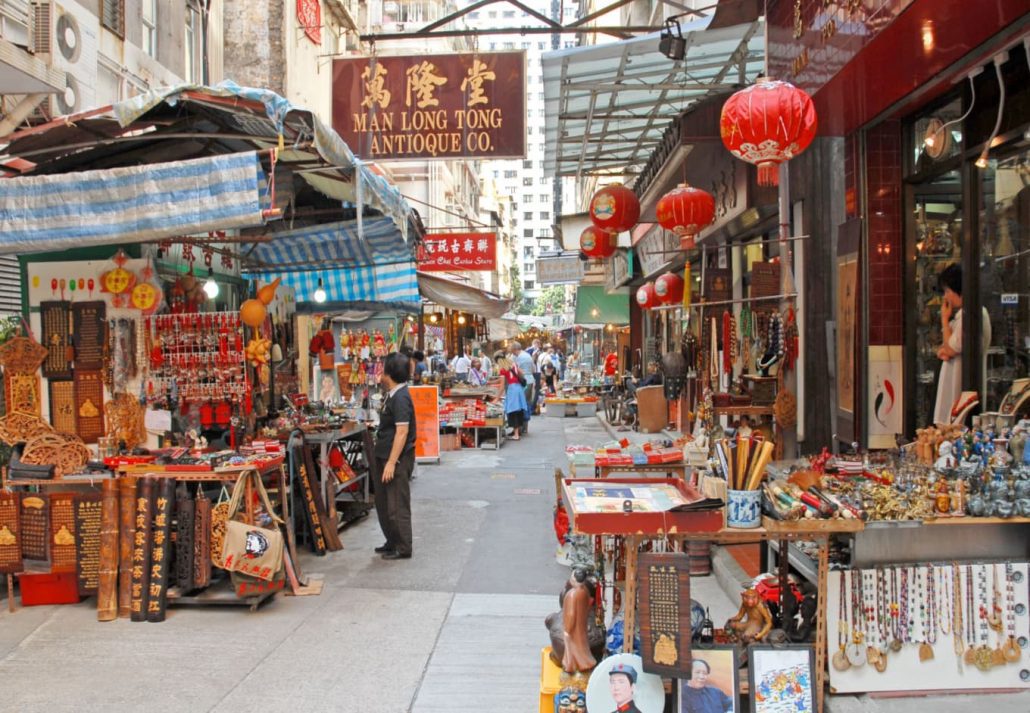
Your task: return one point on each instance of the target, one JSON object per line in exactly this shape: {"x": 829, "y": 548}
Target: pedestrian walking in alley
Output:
{"x": 515, "y": 406}
{"x": 527, "y": 366}
{"x": 395, "y": 458}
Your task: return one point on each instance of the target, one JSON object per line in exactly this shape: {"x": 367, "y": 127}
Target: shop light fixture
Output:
{"x": 210, "y": 286}
{"x": 433, "y": 318}
{"x": 935, "y": 134}
{"x": 320, "y": 295}
{"x": 999, "y": 59}
{"x": 461, "y": 319}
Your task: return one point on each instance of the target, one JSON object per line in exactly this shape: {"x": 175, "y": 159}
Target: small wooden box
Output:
{"x": 762, "y": 388}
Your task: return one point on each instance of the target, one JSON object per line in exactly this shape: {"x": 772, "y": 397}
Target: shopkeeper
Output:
{"x": 395, "y": 458}
{"x": 949, "y": 383}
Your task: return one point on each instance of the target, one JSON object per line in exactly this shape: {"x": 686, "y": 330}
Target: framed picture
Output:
{"x": 620, "y": 683}
{"x": 714, "y": 682}
{"x": 782, "y": 678}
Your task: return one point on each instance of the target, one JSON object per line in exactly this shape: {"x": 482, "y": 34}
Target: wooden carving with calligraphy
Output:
{"x": 35, "y": 526}
{"x": 10, "y": 534}
{"x": 88, "y": 511}
{"x": 664, "y": 606}
{"x": 62, "y": 532}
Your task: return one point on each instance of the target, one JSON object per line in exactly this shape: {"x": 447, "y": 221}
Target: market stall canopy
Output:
{"x": 607, "y": 105}
{"x": 596, "y": 308}
{"x": 502, "y": 328}
{"x": 454, "y": 295}
{"x": 372, "y": 269}
{"x": 131, "y": 204}
{"x": 316, "y": 177}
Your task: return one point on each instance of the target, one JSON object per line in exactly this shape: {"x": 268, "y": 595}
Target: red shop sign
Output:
{"x": 455, "y": 252}
{"x": 309, "y": 15}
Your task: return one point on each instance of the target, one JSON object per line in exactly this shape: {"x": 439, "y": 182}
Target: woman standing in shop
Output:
{"x": 515, "y": 405}
{"x": 949, "y": 382}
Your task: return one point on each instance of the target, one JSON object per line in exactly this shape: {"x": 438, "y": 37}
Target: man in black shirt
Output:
{"x": 395, "y": 457}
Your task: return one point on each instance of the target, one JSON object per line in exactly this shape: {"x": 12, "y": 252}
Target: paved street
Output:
{"x": 457, "y": 628}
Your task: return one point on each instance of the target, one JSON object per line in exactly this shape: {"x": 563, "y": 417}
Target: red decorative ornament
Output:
{"x": 686, "y": 211}
{"x": 646, "y": 297}
{"x": 614, "y": 209}
{"x": 766, "y": 124}
{"x": 597, "y": 243}
{"x": 668, "y": 288}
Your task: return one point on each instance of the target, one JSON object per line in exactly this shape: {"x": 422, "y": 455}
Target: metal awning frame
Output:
{"x": 597, "y": 134}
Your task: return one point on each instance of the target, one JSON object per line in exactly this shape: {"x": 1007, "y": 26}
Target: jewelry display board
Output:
{"x": 56, "y": 320}
{"x": 89, "y": 338}
{"x": 89, "y": 405}
{"x": 62, "y": 532}
{"x": 62, "y": 405}
{"x": 88, "y": 512}
{"x": 929, "y": 627}
{"x": 10, "y": 534}
{"x": 664, "y": 613}
{"x": 35, "y": 527}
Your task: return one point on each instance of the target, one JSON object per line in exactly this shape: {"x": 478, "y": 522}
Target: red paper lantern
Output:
{"x": 597, "y": 243}
{"x": 646, "y": 297}
{"x": 686, "y": 211}
{"x": 668, "y": 288}
{"x": 614, "y": 209}
{"x": 766, "y": 124}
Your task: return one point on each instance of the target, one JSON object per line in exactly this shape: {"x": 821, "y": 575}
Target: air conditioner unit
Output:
{"x": 68, "y": 34}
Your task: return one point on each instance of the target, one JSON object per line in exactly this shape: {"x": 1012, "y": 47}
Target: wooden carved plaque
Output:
{"x": 664, "y": 613}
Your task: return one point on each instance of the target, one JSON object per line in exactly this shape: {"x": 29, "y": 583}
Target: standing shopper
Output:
{"x": 515, "y": 406}
{"x": 527, "y": 367}
{"x": 395, "y": 458}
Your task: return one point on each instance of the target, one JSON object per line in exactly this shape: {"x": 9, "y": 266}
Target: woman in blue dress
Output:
{"x": 515, "y": 404}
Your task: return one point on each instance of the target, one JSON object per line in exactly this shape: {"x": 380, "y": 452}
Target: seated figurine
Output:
{"x": 752, "y": 622}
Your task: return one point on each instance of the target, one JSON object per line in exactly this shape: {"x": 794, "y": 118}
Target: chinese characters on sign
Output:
{"x": 309, "y": 16}
{"x": 432, "y": 106}
{"x": 444, "y": 252}
{"x": 664, "y": 600}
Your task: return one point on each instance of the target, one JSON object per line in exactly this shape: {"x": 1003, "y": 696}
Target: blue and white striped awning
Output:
{"x": 393, "y": 285}
{"x": 332, "y": 245}
{"x": 131, "y": 204}
{"x": 375, "y": 268}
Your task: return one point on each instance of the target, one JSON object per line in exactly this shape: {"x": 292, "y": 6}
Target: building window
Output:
{"x": 112, "y": 16}
{"x": 527, "y": 181}
{"x": 194, "y": 34}
{"x": 528, "y": 251}
{"x": 528, "y": 163}
{"x": 510, "y": 173}
{"x": 509, "y": 13}
{"x": 474, "y": 15}
{"x": 530, "y": 267}
{"x": 528, "y": 215}
{"x": 545, "y": 215}
{"x": 529, "y": 284}
{"x": 148, "y": 16}
{"x": 543, "y": 197}
{"x": 526, "y": 198}
{"x": 527, "y": 233}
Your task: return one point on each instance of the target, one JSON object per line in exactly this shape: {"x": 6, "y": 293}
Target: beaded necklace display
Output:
{"x": 956, "y": 601}
{"x": 1012, "y": 650}
{"x": 946, "y": 604}
{"x": 984, "y": 656}
{"x": 883, "y": 618}
{"x": 994, "y": 619}
{"x": 746, "y": 334}
{"x": 873, "y": 652}
{"x": 856, "y": 649}
{"x": 894, "y": 609}
{"x": 970, "y": 614}
{"x": 927, "y": 607}
{"x": 840, "y": 658}
{"x": 932, "y": 605}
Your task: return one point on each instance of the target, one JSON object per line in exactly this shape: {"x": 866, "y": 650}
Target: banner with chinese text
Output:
{"x": 432, "y": 106}
{"x": 455, "y": 252}
{"x": 426, "y": 400}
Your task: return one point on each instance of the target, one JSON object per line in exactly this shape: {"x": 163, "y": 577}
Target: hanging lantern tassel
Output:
{"x": 766, "y": 124}
{"x": 686, "y": 286}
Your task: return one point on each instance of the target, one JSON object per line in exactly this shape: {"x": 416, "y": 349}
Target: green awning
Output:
{"x": 595, "y": 307}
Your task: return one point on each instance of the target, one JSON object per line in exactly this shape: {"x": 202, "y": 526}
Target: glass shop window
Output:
{"x": 1004, "y": 280}
{"x": 938, "y": 214}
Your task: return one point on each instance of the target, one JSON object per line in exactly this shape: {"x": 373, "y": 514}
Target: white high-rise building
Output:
{"x": 535, "y": 199}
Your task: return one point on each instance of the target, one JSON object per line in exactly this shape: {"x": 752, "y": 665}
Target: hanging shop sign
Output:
{"x": 309, "y": 16}
{"x": 656, "y": 250}
{"x": 432, "y": 106}
{"x": 618, "y": 270}
{"x": 449, "y": 252}
{"x": 559, "y": 270}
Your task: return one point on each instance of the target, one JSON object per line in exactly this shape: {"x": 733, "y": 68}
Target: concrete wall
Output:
{"x": 253, "y": 43}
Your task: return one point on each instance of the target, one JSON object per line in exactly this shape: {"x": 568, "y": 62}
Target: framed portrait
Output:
{"x": 620, "y": 681}
{"x": 782, "y": 678}
{"x": 714, "y": 683}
